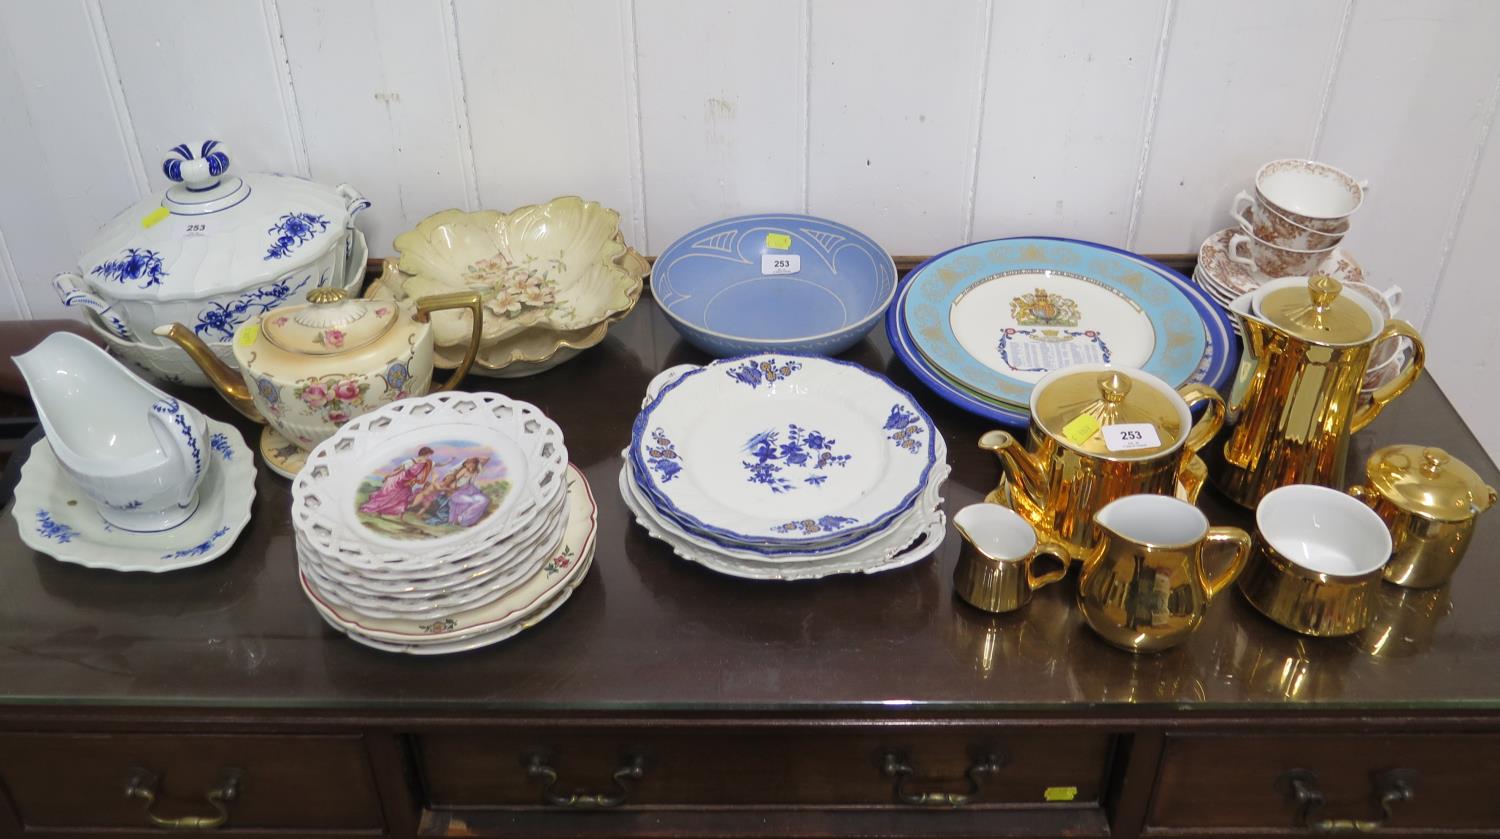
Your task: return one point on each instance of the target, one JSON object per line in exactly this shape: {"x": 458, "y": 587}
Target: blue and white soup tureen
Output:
{"x": 214, "y": 250}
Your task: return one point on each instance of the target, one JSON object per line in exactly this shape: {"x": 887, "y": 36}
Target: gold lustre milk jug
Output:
{"x": 1294, "y": 400}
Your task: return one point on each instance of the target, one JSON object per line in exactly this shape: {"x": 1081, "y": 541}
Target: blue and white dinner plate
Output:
{"x": 782, "y": 450}
{"x": 1215, "y": 365}
{"x": 998, "y": 316}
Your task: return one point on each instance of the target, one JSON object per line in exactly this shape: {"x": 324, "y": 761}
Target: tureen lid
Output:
{"x": 1317, "y": 311}
{"x": 1429, "y": 482}
{"x": 212, "y": 232}
{"x": 1113, "y": 412}
{"x": 330, "y": 323}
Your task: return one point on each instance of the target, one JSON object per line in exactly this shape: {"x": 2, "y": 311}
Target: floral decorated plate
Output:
{"x": 425, "y": 480}
{"x": 997, "y": 316}
{"x": 873, "y": 550}
{"x": 433, "y": 577}
{"x": 57, "y": 519}
{"x": 555, "y": 265}
{"x": 837, "y": 546}
{"x": 1215, "y": 366}
{"x": 477, "y": 640}
{"x": 462, "y": 591}
{"x": 517, "y": 609}
{"x": 905, "y": 542}
{"x": 753, "y": 449}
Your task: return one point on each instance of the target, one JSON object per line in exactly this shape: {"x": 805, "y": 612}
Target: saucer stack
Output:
{"x": 786, "y": 467}
{"x": 442, "y": 524}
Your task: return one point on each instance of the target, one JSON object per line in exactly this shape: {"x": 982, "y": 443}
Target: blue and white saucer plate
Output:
{"x": 58, "y": 519}
{"x": 1217, "y": 355}
{"x": 782, "y": 450}
{"x": 998, "y": 316}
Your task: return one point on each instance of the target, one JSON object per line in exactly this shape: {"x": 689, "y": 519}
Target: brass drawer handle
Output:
{"x": 142, "y": 783}
{"x": 1390, "y": 788}
{"x": 895, "y": 767}
{"x": 629, "y": 772}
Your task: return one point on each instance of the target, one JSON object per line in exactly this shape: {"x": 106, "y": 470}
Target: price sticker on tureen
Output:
{"x": 780, "y": 263}
{"x": 1129, "y": 436}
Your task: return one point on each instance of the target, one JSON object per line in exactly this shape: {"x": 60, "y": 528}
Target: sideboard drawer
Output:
{"x": 287, "y": 782}
{"x": 762, "y": 766}
{"x": 1246, "y": 781}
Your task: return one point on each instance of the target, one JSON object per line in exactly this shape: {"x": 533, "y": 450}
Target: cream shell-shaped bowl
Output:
{"x": 306, "y": 370}
{"x": 562, "y": 266}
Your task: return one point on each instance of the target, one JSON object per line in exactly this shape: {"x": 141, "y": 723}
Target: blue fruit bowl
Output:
{"x": 774, "y": 283}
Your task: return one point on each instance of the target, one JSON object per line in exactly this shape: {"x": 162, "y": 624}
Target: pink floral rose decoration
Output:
{"x": 316, "y": 396}
{"x": 333, "y": 338}
{"x": 338, "y": 417}
{"x": 346, "y": 390}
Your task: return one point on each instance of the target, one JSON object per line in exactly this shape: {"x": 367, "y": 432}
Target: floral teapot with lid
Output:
{"x": 306, "y": 370}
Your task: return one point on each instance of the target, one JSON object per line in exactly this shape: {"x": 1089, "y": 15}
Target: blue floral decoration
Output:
{"x": 134, "y": 264}
{"x": 199, "y": 549}
{"x": 803, "y": 451}
{"x": 904, "y": 427}
{"x": 128, "y": 505}
{"x": 219, "y": 442}
{"x": 219, "y": 320}
{"x": 47, "y": 528}
{"x": 754, "y": 372}
{"x": 662, "y": 456}
{"x": 292, "y": 231}
{"x": 171, "y": 408}
{"x": 822, "y": 524}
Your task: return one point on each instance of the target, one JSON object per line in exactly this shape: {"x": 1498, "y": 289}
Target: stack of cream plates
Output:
{"x": 786, "y": 467}
{"x": 442, "y": 523}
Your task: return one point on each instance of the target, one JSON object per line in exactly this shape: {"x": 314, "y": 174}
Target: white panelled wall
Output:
{"x": 924, "y": 124}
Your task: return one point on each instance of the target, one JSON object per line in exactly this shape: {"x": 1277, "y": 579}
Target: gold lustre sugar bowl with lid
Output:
{"x": 1429, "y": 502}
{"x": 306, "y": 370}
{"x": 1099, "y": 433}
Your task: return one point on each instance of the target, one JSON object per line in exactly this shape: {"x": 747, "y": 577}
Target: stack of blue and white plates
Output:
{"x": 786, "y": 467}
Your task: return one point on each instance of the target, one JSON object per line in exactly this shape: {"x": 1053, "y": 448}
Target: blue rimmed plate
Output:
{"x": 782, "y": 450}
{"x": 998, "y": 316}
{"x": 1214, "y": 367}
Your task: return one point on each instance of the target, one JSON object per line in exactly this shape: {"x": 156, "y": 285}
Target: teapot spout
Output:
{"x": 1019, "y": 466}
{"x": 226, "y": 380}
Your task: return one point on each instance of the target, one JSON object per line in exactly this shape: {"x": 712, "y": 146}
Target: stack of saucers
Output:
{"x": 786, "y": 467}
{"x": 442, "y": 524}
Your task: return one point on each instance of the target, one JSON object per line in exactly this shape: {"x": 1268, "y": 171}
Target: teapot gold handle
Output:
{"x": 1233, "y": 536}
{"x": 1213, "y": 417}
{"x": 457, "y": 300}
{"x": 1390, "y": 390}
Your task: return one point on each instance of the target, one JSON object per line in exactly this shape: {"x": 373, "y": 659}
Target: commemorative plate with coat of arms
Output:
{"x": 996, "y": 317}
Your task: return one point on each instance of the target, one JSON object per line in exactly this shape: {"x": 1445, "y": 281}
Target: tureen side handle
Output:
{"x": 457, "y": 300}
{"x": 67, "y": 285}
{"x": 354, "y": 201}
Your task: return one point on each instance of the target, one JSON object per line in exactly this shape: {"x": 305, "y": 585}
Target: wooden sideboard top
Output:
{"x": 648, "y": 632}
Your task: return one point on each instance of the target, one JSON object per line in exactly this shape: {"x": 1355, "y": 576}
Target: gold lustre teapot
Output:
{"x": 1099, "y": 433}
{"x": 1293, "y": 405}
{"x": 306, "y": 370}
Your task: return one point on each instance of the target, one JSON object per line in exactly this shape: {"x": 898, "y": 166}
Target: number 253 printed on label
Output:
{"x": 1127, "y": 436}
{"x": 780, "y": 263}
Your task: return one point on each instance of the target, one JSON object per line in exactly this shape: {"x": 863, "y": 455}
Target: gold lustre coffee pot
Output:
{"x": 1293, "y": 404}
{"x": 1099, "y": 433}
